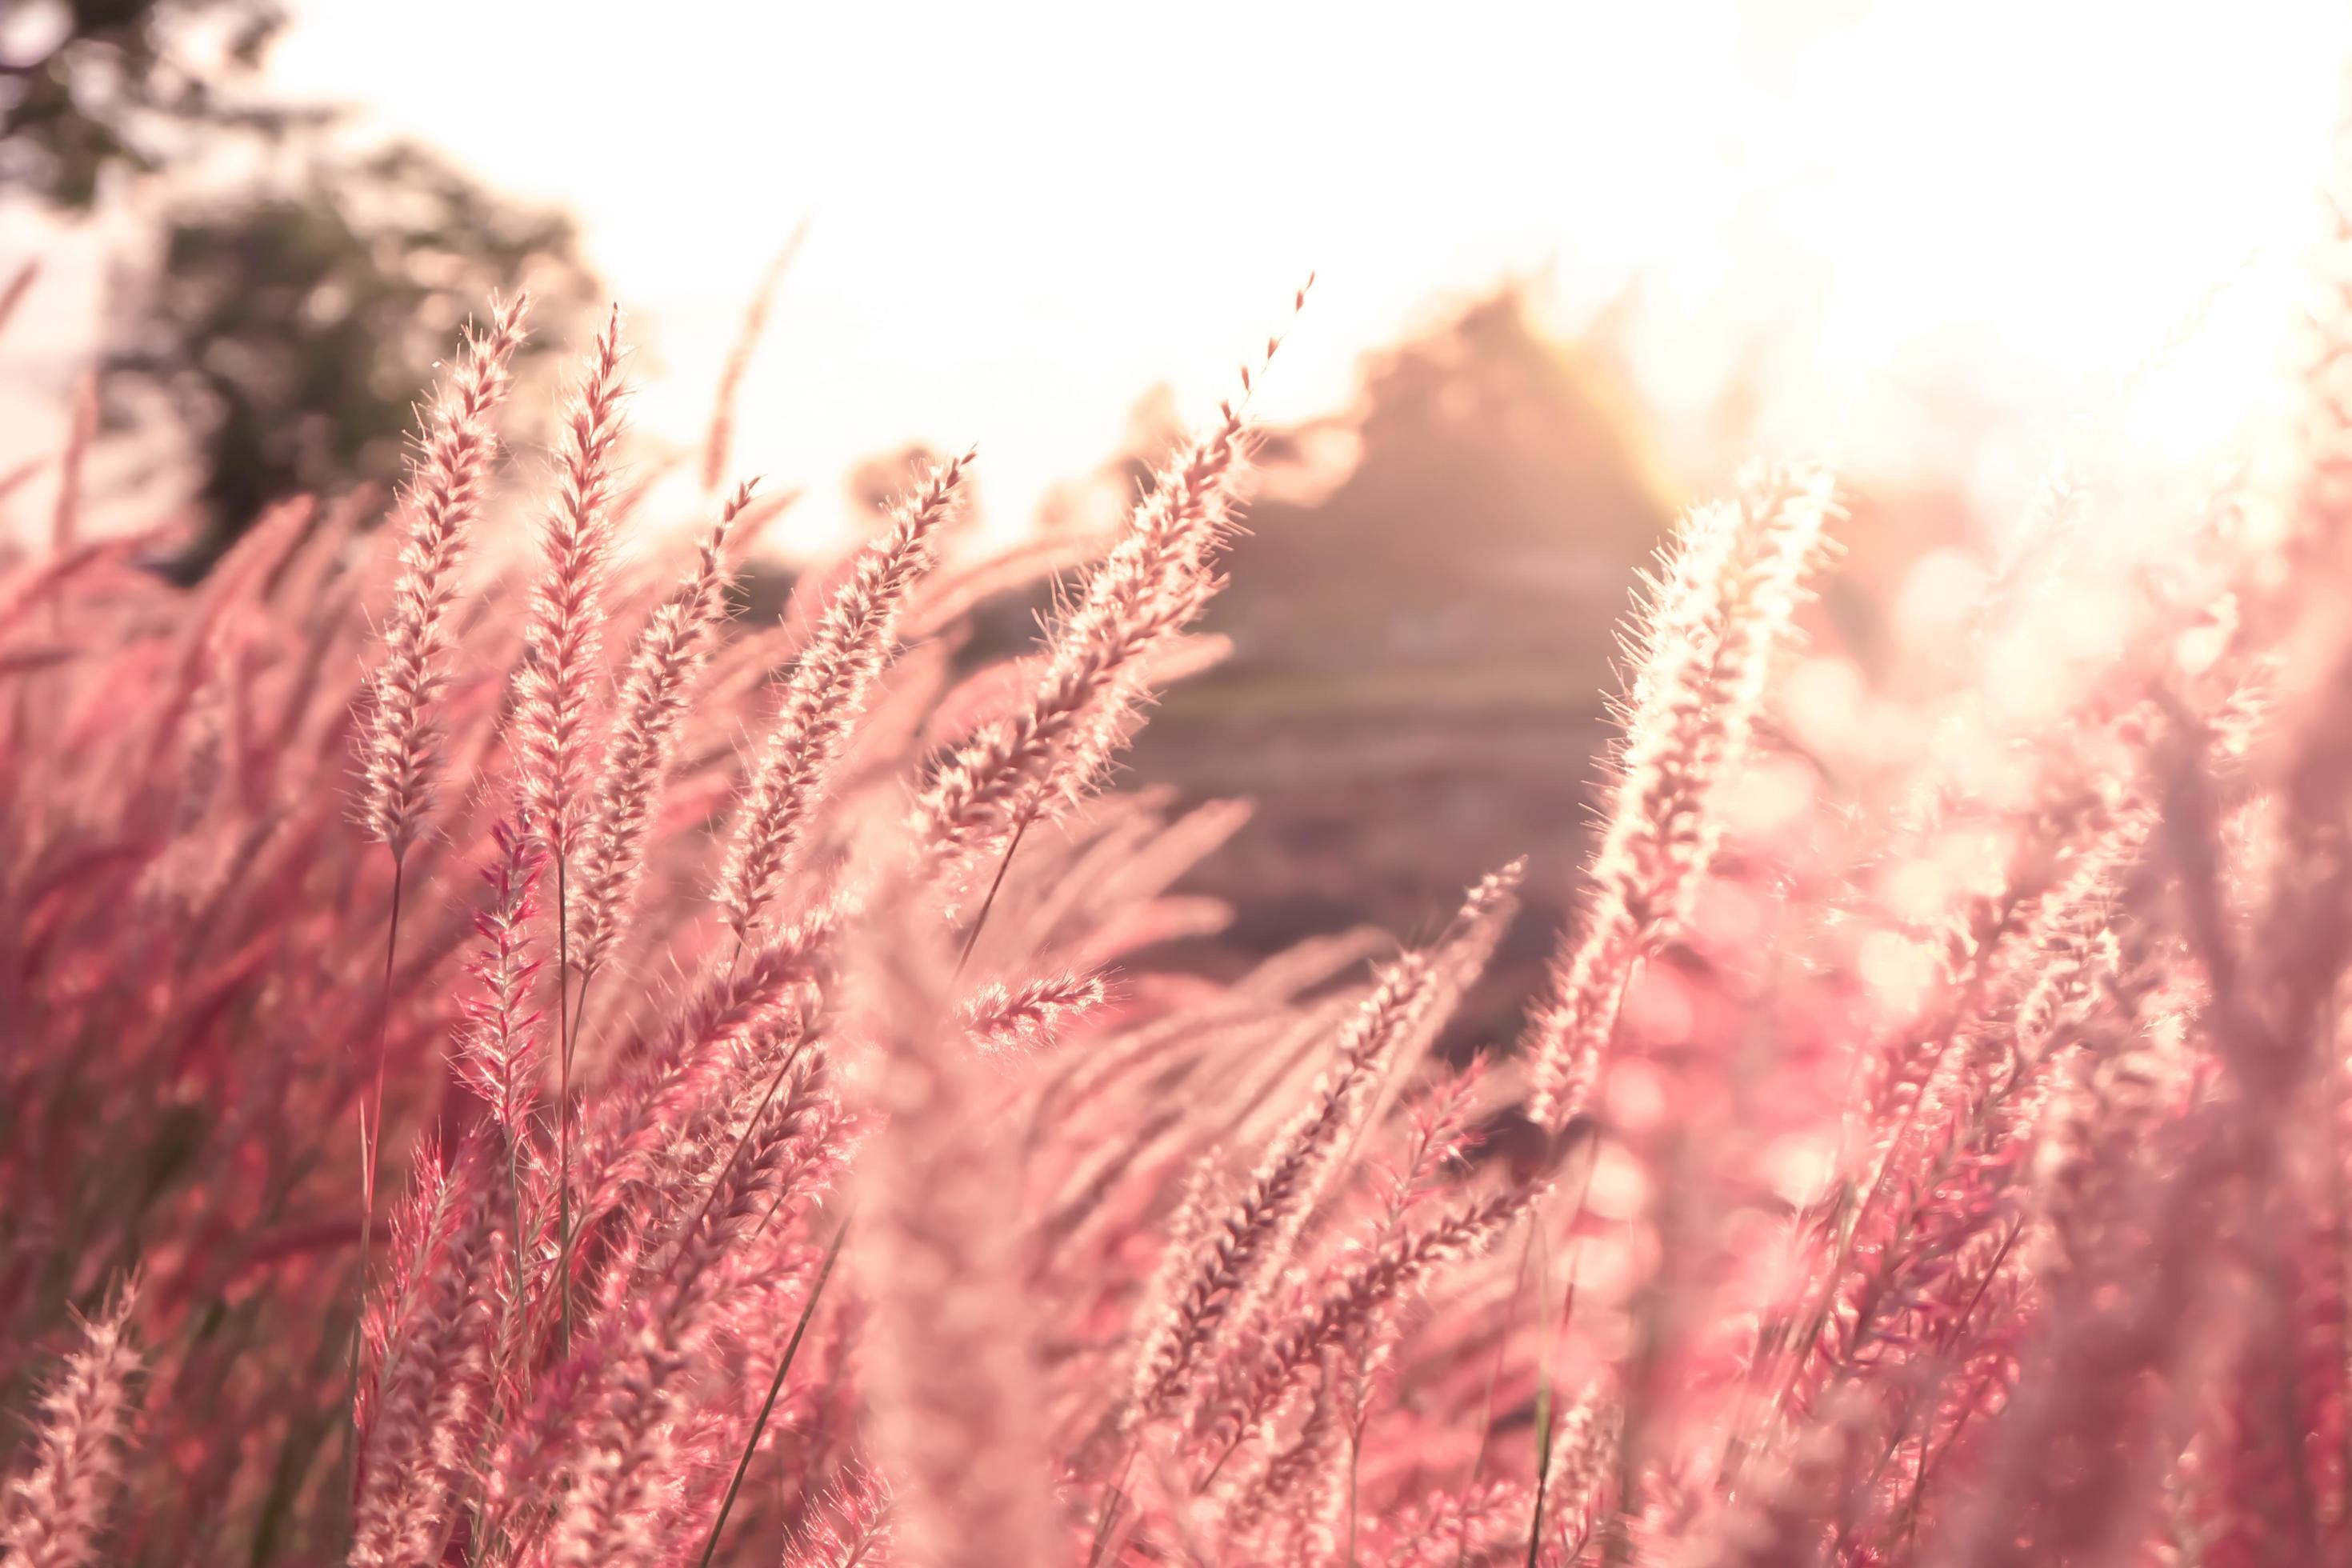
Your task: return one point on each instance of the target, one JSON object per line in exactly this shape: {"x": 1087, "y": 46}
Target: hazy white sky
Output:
{"x": 1025, "y": 214}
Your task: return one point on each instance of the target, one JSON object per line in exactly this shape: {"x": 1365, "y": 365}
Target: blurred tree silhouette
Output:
{"x": 1423, "y": 637}
{"x": 108, "y": 83}
{"x": 291, "y": 321}
{"x": 292, "y": 334}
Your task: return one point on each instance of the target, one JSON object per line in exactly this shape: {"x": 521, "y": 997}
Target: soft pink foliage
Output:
{"x": 400, "y": 753}
{"x": 54, "y": 1512}
{"x": 1945, "y": 1166}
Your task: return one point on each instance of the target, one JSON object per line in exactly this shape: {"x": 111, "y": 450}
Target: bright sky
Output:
{"x": 1024, "y": 215}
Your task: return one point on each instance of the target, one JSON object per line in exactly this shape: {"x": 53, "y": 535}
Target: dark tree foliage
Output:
{"x": 292, "y": 322}
{"x": 124, "y": 83}
{"x": 293, "y": 333}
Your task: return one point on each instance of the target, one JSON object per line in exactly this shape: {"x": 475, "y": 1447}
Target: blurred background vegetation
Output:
{"x": 1423, "y": 620}
{"x": 301, "y": 289}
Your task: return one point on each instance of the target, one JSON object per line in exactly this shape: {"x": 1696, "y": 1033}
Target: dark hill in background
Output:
{"x": 1425, "y": 615}
{"x": 1422, "y": 652}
